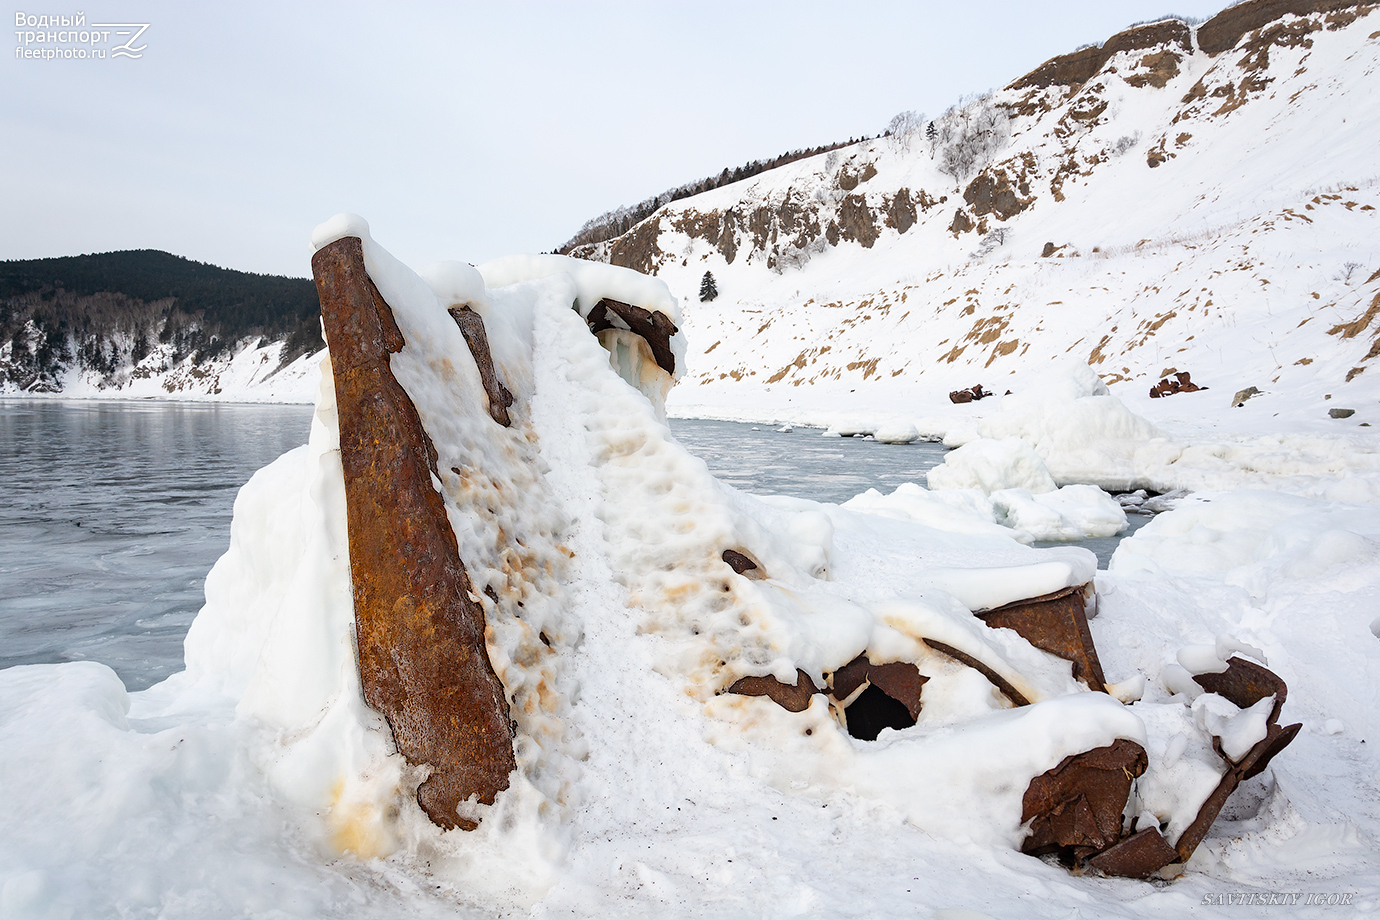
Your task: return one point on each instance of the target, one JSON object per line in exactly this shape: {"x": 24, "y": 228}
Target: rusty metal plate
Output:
{"x": 420, "y": 633}
{"x": 1246, "y": 683}
{"x": 1075, "y": 809}
{"x": 1139, "y": 856}
{"x": 1058, "y": 624}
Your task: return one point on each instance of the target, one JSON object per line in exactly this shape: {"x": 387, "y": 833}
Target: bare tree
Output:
{"x": 969, "y": 136}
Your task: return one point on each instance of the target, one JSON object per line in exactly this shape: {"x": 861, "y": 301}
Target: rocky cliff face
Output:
{"x": 1104, "y": 206}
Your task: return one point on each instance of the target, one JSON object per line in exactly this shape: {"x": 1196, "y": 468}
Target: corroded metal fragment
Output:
{"x": 1075, "y": 809}
{"x": 472, "y": 328}
{"x": 1058, "y": 624}
{"x": 792, "y": 699}
{"x": 972, "y": 394}
{"x": 741, "y": 564}
{"x": 1244, "y": 683}
{"x": 900, "y": 680}
{"x": 655, "y": 328}
{"x": 1016, "y": 697}
{"x": 1140, "y": 855}
{"x": 419, "y": 628}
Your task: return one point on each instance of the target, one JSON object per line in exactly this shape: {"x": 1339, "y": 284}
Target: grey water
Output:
{"x": 112, "y": 513}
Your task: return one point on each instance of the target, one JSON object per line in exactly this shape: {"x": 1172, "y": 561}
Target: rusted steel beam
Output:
{"x": 1016, "y": 697}
{"x": 655, "y": 328}
{"x": 1058, "y": 624}
{"x": 472, "y": 328}
{"x": 419, "y": 627}
{"x": 1075, "y": 809}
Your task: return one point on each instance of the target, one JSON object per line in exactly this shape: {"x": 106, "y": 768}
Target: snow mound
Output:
{"x": 992, "y": 465}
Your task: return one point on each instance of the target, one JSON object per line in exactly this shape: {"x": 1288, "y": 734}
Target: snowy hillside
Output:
{"x": 1199, "y": 199}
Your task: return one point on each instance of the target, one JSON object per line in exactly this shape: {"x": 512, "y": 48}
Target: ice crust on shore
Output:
{"x": 640, "y": 785}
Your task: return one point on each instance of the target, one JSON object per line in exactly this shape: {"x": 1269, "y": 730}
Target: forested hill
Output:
{"x": 111, "y": 313}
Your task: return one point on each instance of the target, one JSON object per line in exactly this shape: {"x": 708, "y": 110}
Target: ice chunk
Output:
{"x": 897, "y": 433}
{"x": 1074, "y": 512}
{"x": 992, "y": 465}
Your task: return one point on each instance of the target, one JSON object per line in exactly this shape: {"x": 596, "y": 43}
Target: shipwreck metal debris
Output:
{"x": 1244, "y": 683}
{"x": 891, "y": 699}
{"x": 1075, "y": 809}
{"x": 655, "y": 328}
{"x": 1140, "y": 855}
{"x": 472, "y": 328}
{"x": 1016, "y": 697}
{"x": 1179, "y": 383}
{"x": 419, "y": 627}
{"x": 743, "y": 564}
{"x": 1057, "y": 623}
{"x": 972, "y": 394}
{"x": 792, "y": 699}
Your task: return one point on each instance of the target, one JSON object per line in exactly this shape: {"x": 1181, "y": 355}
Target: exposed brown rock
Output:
{"x": 1081, "y": 66}
{"x": 900, "y": 211}
{"x": 857, "y": 222}
{"x": 1223, "y": 31}
{"x": 655, "y": 328}
{"x": 1156, "y": 69}
{"x": 472, "y": 328}
{"x": 638, "y": 249}
{"x": 419, "y": 628}
{"x": 1241, "y": 396}
{"x": 792, "y": 699}
{"x": 962, "y": 223}
{"x": 1075, "y": 809}
{"x": 1058, "y": 624}
{"x": 992, "y": 192}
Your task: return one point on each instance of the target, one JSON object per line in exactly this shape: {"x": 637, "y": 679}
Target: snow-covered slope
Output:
{"x": 1178, "y": 199}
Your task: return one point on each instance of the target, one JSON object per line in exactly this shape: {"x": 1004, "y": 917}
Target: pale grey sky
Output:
{"x": 467, "y": 131}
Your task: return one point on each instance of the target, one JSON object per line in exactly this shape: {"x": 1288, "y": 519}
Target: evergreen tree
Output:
{"x": 708, "y": 289}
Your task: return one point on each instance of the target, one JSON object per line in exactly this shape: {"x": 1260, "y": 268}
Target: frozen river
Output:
{"x": 113, "y": 512}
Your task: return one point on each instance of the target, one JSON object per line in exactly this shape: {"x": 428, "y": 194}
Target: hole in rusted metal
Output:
{"x": 873, "y": 711}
